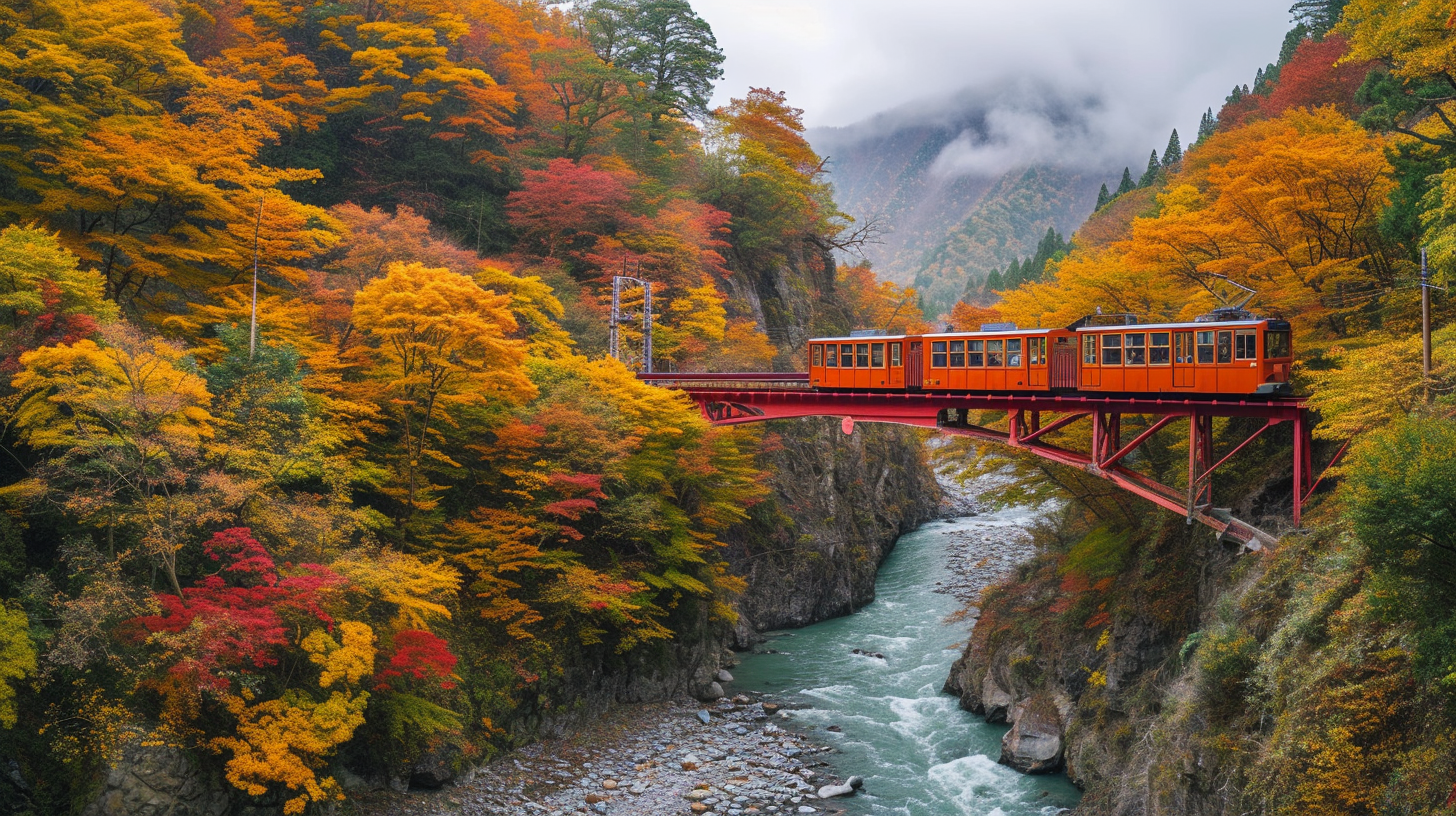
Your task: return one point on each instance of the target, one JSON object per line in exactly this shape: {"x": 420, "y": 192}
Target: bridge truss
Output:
{"x": 733, "y": 399}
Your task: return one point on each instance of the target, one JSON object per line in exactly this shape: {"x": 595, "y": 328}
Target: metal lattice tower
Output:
{"x": 619, "y": 318}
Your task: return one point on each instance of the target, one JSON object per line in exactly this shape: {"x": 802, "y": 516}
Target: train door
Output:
{"x": 897, "y": 366}
{"x": 1183, "y": 359}
{"x": 1064, "y": 365}
{"x": 914, "y": 369}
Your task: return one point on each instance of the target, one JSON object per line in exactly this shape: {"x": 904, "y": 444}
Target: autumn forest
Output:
{"x": 315, "y": 454}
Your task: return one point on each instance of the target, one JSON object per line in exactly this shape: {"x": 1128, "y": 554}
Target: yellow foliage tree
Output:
{"x": 17, "y": 659}
{"x": 1286, "y": 206}
{"x": 418, "y": 591}
{"x": 350, "y": 659}
{"x": 284, "y": 742}
{"x": 439, "y": 342}
{"x": 123, "y": 425}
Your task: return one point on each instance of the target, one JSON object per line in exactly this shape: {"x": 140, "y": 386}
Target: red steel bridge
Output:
{"x": 733, "y": 399}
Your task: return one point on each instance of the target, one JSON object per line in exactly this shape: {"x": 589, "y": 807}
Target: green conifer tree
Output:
{"x": 1206, "y": 126}
{"x": 1012, "y": 277}
{"x": 1173, "y": 153}
{"x": 1319, "y": 15}
{"x": 993, "y": 283}
{"x": 1103, "y": 197}
{"x": 1126, "y": 186}
{"x": 1150, "y": 175}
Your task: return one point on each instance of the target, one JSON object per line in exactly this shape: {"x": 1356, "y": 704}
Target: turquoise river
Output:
{"x": 919, "y": 753}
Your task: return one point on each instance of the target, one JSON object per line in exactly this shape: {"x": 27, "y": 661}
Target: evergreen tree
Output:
{"x": 1318, "y": 15}
{"x": 1173, "y": 153}
{"x": 1126, "y": 186}
{"x": 1050, "y": 248}
{"x": 1012, "y": 277}
{"x": 1206, "y": 126}
{"x": 993, "y": 283}
{"x": 1103, "y": 197}
{"x": 1150, "y": 175}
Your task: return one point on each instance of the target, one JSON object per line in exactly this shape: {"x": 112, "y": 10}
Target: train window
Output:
{"x": 846, "y": 355}
{"x": 975, "y": 353}
{"x": 894, "y": 354}
{"x": 1158, "y": 348}
{"x": 1013, "y": 353}
{"x": 877, "y": 355}
{"x": 831, "y": 357}
{"x": 862, "y": 355}
{"x": 1276, "y": 344}
{"x": 1244, "y": 349}
{"x": 994, "y": 357}
{"x": 1112, "y": 349}
{"x": 1039, "y": 351}
{"x": 937, "y": 354}
{"x": 957, "y": 354}
{"x": 1033, "y": 350}
{"x": 1089, "y": 349}
{"x": 818, "y": 355}
{"x": 1225, "y": 347}
{"x": 1136, "y": 350}
{"x": 1205, "y": 347}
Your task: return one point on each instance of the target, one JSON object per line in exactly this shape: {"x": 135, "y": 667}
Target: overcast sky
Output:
{"x": 1139, "y": 67}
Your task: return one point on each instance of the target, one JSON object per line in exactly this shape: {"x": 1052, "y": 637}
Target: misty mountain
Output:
{"x": 965, "y": 186}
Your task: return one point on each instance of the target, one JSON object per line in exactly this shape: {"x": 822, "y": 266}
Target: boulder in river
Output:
{"x": 1034, "y": 743}
{"x": 847, "y": 788}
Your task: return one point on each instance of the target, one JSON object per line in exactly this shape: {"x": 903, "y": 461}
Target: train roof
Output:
{"x": 1134, "y": 327}
{"x": 1186, "y": 325}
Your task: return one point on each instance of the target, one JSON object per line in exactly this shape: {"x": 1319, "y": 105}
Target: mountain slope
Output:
{"x": 946, "y": 225}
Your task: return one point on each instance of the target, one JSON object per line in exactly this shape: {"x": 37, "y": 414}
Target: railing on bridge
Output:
{"x": 729, "y": 399}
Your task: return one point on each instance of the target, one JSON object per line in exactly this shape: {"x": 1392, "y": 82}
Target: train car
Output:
{"x": 1222, "y": 355}
{"x": 1249, "y": 356}
{"x": 1001, "y": 360}
{"x": 864, "y": 362}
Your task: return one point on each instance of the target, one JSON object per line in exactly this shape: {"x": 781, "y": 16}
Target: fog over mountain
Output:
{"x": 933, "y": 111}
{"x": 969, "y": 182}
{"x": 1155, "y": 64}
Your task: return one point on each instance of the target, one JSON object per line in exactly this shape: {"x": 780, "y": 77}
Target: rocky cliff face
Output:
{"x": 1080, "y": 697}
{"x": 839, "y": 504}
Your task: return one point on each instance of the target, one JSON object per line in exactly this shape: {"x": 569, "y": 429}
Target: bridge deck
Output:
{"x": 732, "y": 399}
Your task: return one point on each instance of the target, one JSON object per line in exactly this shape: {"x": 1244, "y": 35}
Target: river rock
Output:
{"x": 847, "y": 788}
{"x": 1034, "y": 743}
{"x": 712, "y": 692}
{"x": 996, "y": 701}
{"x": 704, "y": 717}
{"x": 724, "y": 676}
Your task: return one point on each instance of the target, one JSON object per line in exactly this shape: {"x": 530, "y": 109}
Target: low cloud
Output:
{"x": 1065, "y": 81}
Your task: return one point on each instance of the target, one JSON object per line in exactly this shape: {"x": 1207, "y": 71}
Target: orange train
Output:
{"x": 1218, "y": 355}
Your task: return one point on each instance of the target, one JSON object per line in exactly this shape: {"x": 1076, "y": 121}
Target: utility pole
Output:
{"x": 1425, "y": 325}
{"x": 618, "y": 317}
{"x": 253, "y": 320}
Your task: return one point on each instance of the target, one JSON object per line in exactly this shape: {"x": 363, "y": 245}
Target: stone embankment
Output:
{"x": 665, "y": 759}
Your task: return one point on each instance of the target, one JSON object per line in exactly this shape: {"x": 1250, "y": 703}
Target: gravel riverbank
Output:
{"x": 648, "y": 760}
{"x": 750, "y": 756}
